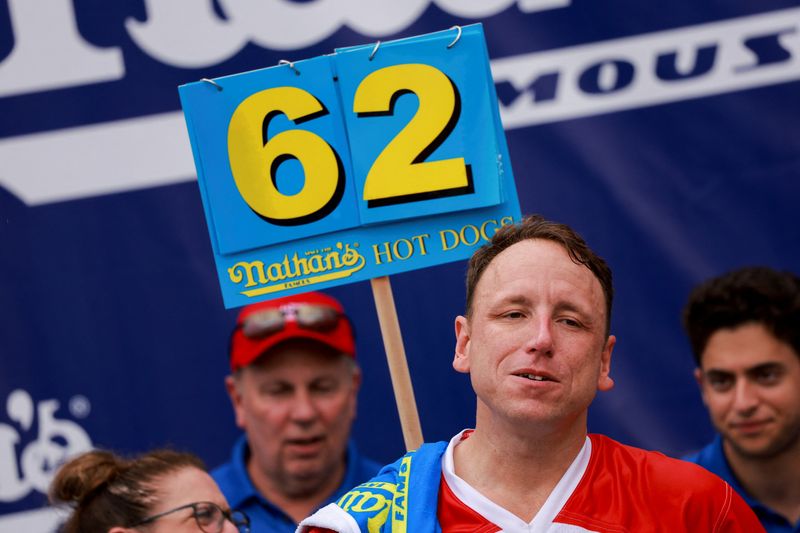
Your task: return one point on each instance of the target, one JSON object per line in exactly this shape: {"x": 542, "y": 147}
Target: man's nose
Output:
{"x": 303, "y": 408}
{"x": 745, "y": 397}
{"x": 540, "y": 340}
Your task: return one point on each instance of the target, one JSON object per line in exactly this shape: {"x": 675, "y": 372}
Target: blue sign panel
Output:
{"x": 350, "y": 166}
{"x": 420, "y": 124}
{"x": 271, "y": 149}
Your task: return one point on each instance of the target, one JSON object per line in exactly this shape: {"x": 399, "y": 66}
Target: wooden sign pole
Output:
{"x": 398, "y": 365}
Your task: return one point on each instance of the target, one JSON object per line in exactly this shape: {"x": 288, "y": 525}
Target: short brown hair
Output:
{"x": 107, "y": 491}
{"x": 537, "y": 227}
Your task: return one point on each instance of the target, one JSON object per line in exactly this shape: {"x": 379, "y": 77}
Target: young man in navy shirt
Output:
{"x": 744, "y": 328}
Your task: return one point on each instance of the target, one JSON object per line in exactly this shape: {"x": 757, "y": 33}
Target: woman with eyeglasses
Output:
{"x": 159, "y": 491}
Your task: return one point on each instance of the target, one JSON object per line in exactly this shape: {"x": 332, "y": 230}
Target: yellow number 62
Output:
{"x": 255, "y": 160}
{"x": 400, "y": 173}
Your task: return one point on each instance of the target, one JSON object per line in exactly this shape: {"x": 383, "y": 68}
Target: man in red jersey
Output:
{"x": 535, "y": 341}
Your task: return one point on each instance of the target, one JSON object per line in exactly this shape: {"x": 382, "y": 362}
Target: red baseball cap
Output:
{"x": 311, "y": 315}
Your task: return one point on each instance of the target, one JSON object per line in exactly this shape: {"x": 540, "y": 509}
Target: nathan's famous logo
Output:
{"x": 376, "y": 499}
{"x": 56, "y": 441}
{"x": 316, "y": 266}
{"x": 373, "y": 500}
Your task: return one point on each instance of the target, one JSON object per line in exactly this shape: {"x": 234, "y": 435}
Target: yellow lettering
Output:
{"x": 409, "y": 249}
{"x": 443, "y": 234}
{"x": 237, "y": 272}
{"x": 484, "y": 235}
{"x": 288, "y": 269}
{"x": 370, "y": 501}
{"x": 375, "y": 523}
{"x": 420, "y": 240}
{"x": 315, "y": 264}
{"x": 350, "y": 256}
{"x": 385, "y": 251}
{"x": 274, "y": 272}
{"x": 362, "y": 501}
{"x": 300, "y": 265}
{"x": 464, "y": 236}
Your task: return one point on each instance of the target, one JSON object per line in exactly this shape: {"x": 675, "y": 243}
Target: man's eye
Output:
{"x": 769, "y": 376}
{"x": 571, "y": 322}
{"x": 513, "y": 314}
{"x": 720, "y": 383}
{"x": 275, "y": 390}
{"x": 326, "y": 386}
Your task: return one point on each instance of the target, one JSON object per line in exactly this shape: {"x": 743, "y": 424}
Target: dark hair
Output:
{"x": 106, "y": 490}
{"x": 536, "y": 227}
{"x": 750, "y": 294}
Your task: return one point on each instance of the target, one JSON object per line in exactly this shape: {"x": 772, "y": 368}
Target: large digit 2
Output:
{"x": 255, "y": 159}
{"x": 400, "y": 173}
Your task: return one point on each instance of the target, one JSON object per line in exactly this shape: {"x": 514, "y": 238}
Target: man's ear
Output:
{"x": 355, "y": 385}
{"x": 604, "y": 381}
{"x": 461, "y": 359}
{"x": 357, "y": 377}
{"x": 233, "y": 387}
{"x": 700, "y": 378}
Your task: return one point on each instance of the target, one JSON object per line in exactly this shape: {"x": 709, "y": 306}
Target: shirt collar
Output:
{"x": 351, "y": 474}
{"x": 718, "y": 464}
{"x": 241, "y": 489}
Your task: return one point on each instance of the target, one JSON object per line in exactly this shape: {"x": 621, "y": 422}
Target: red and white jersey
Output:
{"x": 609, "y": 487}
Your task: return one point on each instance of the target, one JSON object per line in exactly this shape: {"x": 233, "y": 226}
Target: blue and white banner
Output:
{"x": 668, "y": 137}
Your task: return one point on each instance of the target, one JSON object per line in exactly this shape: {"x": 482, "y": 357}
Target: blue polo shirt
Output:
{"x": 265, "y": 516}
{"x": 712, "y": 458}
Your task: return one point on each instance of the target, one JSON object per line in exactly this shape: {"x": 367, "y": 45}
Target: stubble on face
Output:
{"x": 297, "y": 409}
{"x": 535, "y": 344}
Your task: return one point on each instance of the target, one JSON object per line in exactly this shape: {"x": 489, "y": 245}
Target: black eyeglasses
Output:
{"x": 307, "y": 316}
{"x": 209, "y": 516}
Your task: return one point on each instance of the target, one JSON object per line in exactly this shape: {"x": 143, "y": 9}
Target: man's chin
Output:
{"x": 304, "y": 481}
{"x": 304, "y": 470}
{"x": 761, "y": 449}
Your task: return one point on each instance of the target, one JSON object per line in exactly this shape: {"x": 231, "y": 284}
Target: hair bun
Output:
{"x": 83, "y": 475}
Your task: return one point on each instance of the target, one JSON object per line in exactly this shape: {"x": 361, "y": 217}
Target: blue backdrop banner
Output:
{"x": 668, "y": 137}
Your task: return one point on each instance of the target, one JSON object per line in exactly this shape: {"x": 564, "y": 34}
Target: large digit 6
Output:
{"x": 400, "y": 173}
{"x": 255, "y": 160}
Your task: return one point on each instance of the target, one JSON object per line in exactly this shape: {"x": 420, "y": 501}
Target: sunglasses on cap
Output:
{"x": 307, "y": 316}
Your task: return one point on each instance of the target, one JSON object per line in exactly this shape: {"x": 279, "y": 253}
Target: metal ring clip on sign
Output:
{"x": 291, "y": 65}
{"x": 374, "y": 50}
{"x": 212, "y": 82}
{"x": 458, "y": 36}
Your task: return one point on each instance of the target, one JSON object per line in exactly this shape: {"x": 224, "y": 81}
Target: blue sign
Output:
{"x": 350, "y": 166}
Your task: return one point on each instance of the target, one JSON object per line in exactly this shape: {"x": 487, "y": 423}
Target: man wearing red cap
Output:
{"x": 293, "y": 388}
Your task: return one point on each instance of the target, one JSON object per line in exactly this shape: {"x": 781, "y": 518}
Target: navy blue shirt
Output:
{"x": 712, "y": 458}
{"x": 265, "y": 516}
